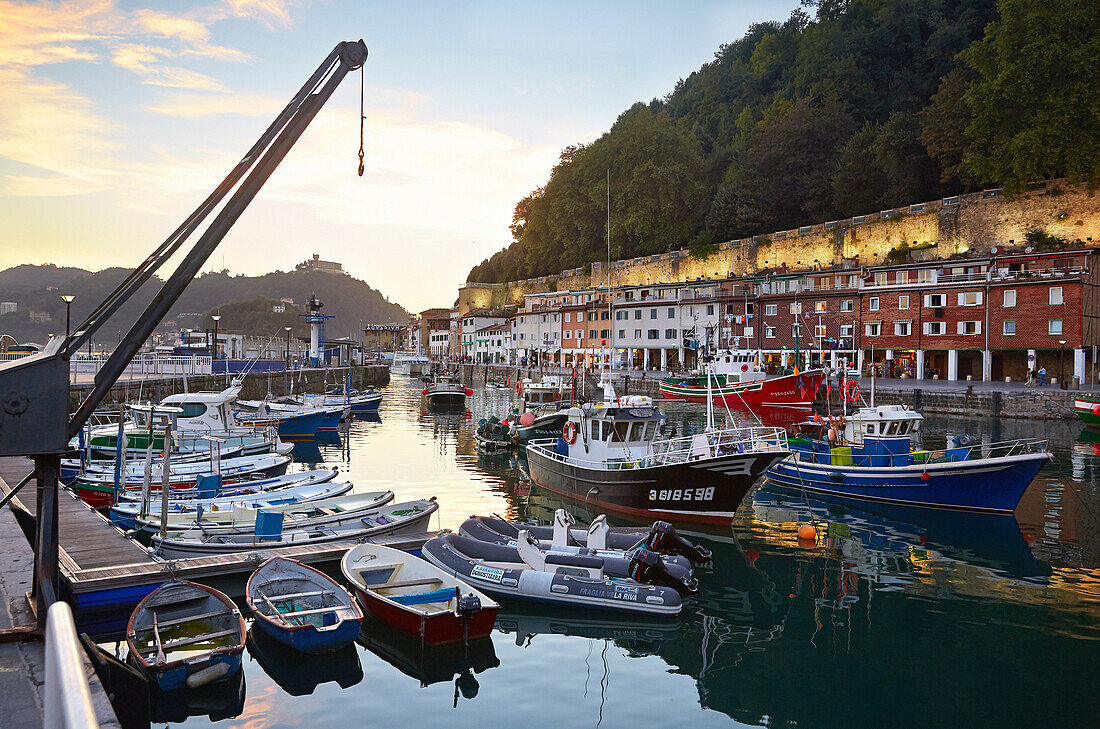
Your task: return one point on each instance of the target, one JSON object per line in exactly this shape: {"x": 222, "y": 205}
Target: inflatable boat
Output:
{"x": 527, "y": 573}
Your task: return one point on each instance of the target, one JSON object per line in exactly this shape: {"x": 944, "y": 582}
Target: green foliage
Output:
{"x": 898, "y": 254}
{"x": 1035, "y": 101}
{"x": 868, "y": 105}
{"x": 1044, "y": 241}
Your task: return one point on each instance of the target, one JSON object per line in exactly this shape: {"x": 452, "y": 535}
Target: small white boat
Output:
{"x": 302, "y": 607}
{"x": 410, "y": 517}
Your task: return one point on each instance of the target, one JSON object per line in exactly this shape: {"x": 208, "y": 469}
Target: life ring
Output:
{"x": 851, "y": 391}
{"x": 1096, "y": 409}
{"x": 518, "y": 384}
{"x": 569, "y": 432}
{"x": 744, "y": 368}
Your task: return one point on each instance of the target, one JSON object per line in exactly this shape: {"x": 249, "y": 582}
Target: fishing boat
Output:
{"x": 185, "y": 635}
{"x": 415, "y": 597}
{"x": 609, "y": 456}
{"x": 125, "y": 514}
{"x": 289, "y": 423}
{"x": 302, "y": 607}
{"x": 241, "y": 519}
{"x": 359, "y": 402}
{"x": 410, "y": 363}
{"x": 1087, "y": 409}
{"x": 869, "y": 455}
{"x": 99, "y": 490}
{"x": 525, "y": 572}
{"x": 332, "y": 415}
{"x": 662, "y": 537}
{"x": 737, "y": 381}
{"x": 446, "y": 391}
{"x": 410, "y": 517}
{"x": 549, "y": 391}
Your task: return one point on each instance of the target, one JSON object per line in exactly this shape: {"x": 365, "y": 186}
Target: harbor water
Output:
{"x": 893, "y": 617}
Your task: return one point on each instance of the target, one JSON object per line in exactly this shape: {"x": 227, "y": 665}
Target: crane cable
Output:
{"x": 362, "y": 118}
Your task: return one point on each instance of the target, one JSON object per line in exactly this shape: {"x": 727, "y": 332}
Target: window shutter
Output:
{"x": 978, "y": 325}
{"x": 962, "y": 299}
{"x": 980, "y": 298}
{"x": 960, "y": 327}
{"x": 928, "y": 300}
{"x": 927, "y": 328}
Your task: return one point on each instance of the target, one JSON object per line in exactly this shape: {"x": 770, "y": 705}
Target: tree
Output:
{"x": 1035, "y": 103}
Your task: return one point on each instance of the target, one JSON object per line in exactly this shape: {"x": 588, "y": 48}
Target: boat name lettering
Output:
{"x": 487, "y": 573}
{"x": 625, "y": 592}
{"x": 699, "y": 494}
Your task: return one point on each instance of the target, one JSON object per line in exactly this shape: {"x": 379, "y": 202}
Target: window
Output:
{"x": 769, "y": 332}
{"x": 846, "y": 305}
{"x": 1054, "y": 326}
{"x": 819, "y": 330}
{"x": 935, "y": 301}
{"x": 872, "y": 303}
{"x": 796, "y": 307}
{"x": 1009, "y": 327}
{"x": 924, "y": 275}
{"x": 591, "y": 316}
{"x": 605, "y": 316}
{"x": 820, "y": 307}
{"x": 902, "y": 328}
{"x": 591, "y": 333}
{"x": 653, "y": 334}
{"x": 969, "y": 328}
{"x": 652, "y": 313}
{"x": 637, "y": 333}
{"x": 847, "y": 330}
{"x": 902, "y": 277}
{"x": 710, "y": 310}
{"x": 934, "y": 328}
{"x": 670, "y": 334}
{"x": 637, "y": 313}
{"x": 1055, "y": 295}
{"x": 796, "y": 331}
{"x": 748, "y": 331}
{"x": 903, "y": 302}
{"x": 970, "y": 298}
{"x": 729, "y": 308}
{"x": 771, "y": 309}
{"x": 872, "y": 329}
{"x": 671, "y": 313}
{"x": 880, "y": 278}
{"x": 748, "y": 308}
{"x": 605, "y": 333}
{"x": 568, "y": 316}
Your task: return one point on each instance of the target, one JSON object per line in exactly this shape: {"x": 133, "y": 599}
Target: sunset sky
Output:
{"x": 117, "y": 118}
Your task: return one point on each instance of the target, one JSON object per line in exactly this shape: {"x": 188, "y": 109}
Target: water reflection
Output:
{"x": 300, "y": 674}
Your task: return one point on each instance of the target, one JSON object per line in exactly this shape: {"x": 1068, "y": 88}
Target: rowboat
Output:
{"x": 241, "y": 518}
{"x": 409, "y": 517}
{"x": 185, "y": 635}
{"x": 416, "y": 597}
{"x": 241, "y": 488}
{"x": 123, "y": 515}
{"x": 302, "y": 607}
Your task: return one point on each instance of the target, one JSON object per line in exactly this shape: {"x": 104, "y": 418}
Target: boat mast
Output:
{"x": 608, "y": 349}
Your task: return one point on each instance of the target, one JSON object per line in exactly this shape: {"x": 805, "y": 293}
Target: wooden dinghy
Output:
{"x": 302, "y": 607}
{"x": 416, "y": 597}
{"x": 185, "y": 635}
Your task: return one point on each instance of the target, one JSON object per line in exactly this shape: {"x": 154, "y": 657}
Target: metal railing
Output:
{"x": 949, "y": 454}
{"x": 67, "y": 703}
{"x": 683, "y": 449}
{"x": 145, "y": 364}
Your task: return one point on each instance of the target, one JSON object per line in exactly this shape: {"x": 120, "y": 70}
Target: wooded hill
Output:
{"x": 39, "y": 288}
{"x": 868, "y": 105}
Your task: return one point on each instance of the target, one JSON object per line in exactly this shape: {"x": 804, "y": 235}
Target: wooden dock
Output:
{"x": 103, "y": 569}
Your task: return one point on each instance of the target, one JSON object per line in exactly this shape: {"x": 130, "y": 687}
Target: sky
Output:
{"x": 118, "y": 118}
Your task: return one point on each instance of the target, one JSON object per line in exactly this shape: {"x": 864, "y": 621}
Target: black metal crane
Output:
{"x": 34, "y": 391}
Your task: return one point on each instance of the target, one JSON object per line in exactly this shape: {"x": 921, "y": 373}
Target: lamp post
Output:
{"x": 68, "y": 299}
{"x": 287, "y": 347}
{"x": 216, "y": 318}
{"x": 1061, "y": 369}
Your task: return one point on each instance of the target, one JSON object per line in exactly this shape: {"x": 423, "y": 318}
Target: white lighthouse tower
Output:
{"x": 316, "y": 330}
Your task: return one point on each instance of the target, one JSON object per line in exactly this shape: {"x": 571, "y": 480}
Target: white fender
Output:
{"x": 529, "y": 553}
{"x": 597, "y": 533}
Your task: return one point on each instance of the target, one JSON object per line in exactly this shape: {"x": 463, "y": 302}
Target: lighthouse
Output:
{"x": 316, "y": 330}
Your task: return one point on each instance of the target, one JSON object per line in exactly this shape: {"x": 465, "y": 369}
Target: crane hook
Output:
{"x": 362, "y": 118}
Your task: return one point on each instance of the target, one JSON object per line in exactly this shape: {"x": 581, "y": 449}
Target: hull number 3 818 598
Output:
{"x": 700, "y": 494}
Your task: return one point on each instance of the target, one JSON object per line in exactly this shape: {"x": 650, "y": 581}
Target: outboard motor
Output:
{"x": 647, "y": 568}
{"x": 664, "y": 539}
{"x": 468, "y": 605}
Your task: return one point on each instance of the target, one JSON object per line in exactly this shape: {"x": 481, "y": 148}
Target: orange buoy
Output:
{"x": 807, "y": 531}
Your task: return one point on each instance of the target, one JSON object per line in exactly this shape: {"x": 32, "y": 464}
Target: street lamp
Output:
{"x": 68, "y": 299}
{"x": 1061, "y": 369}
{"x": 287, "y": 347}
{"x": 216, "y": 318}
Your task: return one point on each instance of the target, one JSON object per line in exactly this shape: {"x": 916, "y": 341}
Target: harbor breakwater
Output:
{"x": 1046, "y": 403}
{"x": 256, "y": 386}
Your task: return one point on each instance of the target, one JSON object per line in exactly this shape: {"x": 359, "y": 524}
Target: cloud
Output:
{"x": 194, "y": 106}
{"x": 272, "y": 14}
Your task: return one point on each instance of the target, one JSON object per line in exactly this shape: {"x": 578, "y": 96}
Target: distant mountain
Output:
{"x": 38, "y": 289}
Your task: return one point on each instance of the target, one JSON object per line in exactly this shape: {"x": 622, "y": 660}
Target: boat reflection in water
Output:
{"x": 216, "y": 701}
{"x": 431, "y": 664}
{"x": 638, "y": 636}
{"x": 299, "y": 674}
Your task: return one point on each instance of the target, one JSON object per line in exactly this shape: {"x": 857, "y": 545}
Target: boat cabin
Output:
{"x": 619, "y": 430}
{"x": 200, "y": 411}
{"x": 881, "y": 421}
{"x": 737, "y": 366}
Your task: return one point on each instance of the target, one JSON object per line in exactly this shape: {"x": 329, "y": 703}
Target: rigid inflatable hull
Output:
{"x": 707, "y": 491}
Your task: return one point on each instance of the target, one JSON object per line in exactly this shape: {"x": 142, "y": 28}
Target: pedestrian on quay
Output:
{"x": 1042, "y": 376}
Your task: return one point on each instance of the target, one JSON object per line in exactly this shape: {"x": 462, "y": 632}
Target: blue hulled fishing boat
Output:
{"x": 869, "y": 455}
